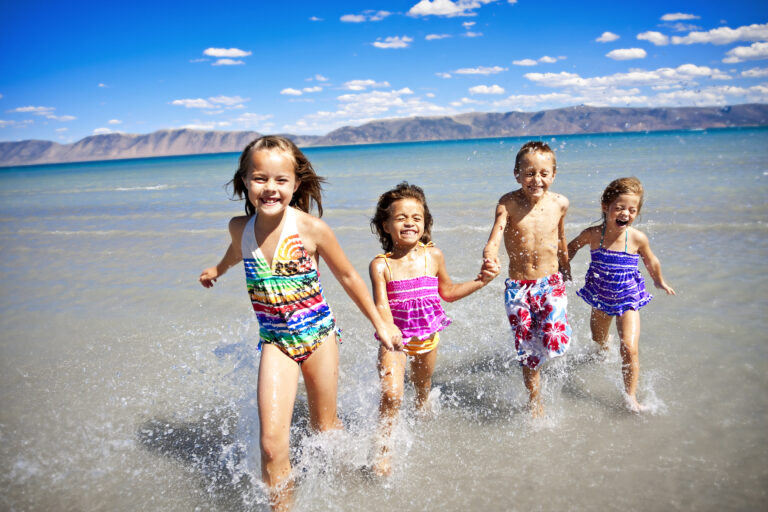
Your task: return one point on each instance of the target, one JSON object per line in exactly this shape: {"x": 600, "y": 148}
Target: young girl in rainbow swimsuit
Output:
{"x": 614, "y": 286}
{"x": 280, "y": 245}
{"x": 408, "y": 283}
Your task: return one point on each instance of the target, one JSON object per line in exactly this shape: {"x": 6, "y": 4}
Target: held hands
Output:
{"x": 490, "y": 269}
{"x": 208, "y": 277}
{"x": 390, "y": 337}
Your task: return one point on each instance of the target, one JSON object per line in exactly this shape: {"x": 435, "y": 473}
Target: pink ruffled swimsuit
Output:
{"x": 415, "y": 304}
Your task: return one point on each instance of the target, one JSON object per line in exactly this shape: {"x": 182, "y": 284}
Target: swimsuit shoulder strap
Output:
{"x": 426, "y": 254}
{"x": 602, "y": 234}
{"x": 386, "y": 262}
{"x": 626, "y": 235}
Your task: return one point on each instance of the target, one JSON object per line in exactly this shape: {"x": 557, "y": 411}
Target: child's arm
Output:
{"x": 563, "y": 259}
{"x": 450, "y": 291}
{"x": 329, "y": 249}
{"x": 491, "y": 249}
{"x": 377, "y": 270}
{"x": 652, "y": 263}
{"x": 232, "y": 257}
{"x": 577, "y": 243}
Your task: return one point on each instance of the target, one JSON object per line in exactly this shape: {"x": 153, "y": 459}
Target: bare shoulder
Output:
{"x": 434, "y": 251}
{"x": 638, "y": 237}
{"x": 309, "y": 225}
{"x": 510, "y": 198}
{"x": 560, "y": 200}
{"x": 377, "y": 265}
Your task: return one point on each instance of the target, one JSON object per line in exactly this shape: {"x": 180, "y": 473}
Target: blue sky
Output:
{"x": 74, "y": 69}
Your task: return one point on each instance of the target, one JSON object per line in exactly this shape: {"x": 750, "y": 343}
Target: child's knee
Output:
{"x": 274, "y": 445}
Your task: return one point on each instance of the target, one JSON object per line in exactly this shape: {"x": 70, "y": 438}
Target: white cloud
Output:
{"x": 447, "y": 8}
{"x": 193, "y": 103}
{"x": 102, "y": 85}
{"x": 114, "y": 121}
{"x": 228, "y": 62}
{"x": 291, "y": 92}
{"x": 626, "y": 54}
{"x": 468, "y": 24}
{"x": 520, "y": 101}
{"x": 755, "y": 72}
{"x": 202, "y": 59}
{"x": 393, "y": 42}
{"x": 473, "y": 34}
{"x": 480, "y": 70}
{"x": 524, "y": 62}
{"x": 60, "y": 118}
{"x": 755, "y": 51}
{"x": 607, "y": 37}
{"x": 685, "y": 73}
{"x": 726, "y": 35}
{"x": 656, "y": 38}
{"x": 369, "y": 15}
{"x": 548, "y": 60}
{"x": 683, "y": 27}
{"x": 679, "y": 16}
{"x": 486, "y": 89}
{"x": 34, "y": 110}
{"x": 361, "y": 85}
{"x": 226, "y": 52}
{"x": 444, "y": 75}
{"x": 102, "y": 131}
{"x": 316, "y": 88}
{"x": 6, "y": 122}
{"x": 433, "y": 37}
{"x": 61, "y": 130}
{"x": 315, "y": 18}
{"x": 228, "y": 100}
{"x": 253, "y": 121}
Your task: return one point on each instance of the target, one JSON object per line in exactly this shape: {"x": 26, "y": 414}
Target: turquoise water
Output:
{"x": 126, "y": 382}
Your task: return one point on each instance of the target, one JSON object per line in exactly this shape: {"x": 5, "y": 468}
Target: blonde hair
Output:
{"x": 617, "y": 187}
{"x": 534, "y": 146}
{"x": 310, "y": 184}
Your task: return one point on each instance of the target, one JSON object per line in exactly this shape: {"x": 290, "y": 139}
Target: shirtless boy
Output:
{"x": 530, "y": 220}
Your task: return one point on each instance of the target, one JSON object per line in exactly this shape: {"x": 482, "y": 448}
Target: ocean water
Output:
{"x": 127, "y": 385}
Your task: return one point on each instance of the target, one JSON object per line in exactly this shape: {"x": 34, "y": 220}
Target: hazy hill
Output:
{"x": 581, "y": 119}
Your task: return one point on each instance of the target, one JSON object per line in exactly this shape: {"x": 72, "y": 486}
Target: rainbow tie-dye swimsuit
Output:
{"x": 287, "y": 297}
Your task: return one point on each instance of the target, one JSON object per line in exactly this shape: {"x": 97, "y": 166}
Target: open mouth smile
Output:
{"x": 622, "y": 222}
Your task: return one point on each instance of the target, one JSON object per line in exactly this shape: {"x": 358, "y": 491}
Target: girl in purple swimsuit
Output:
{"x": 408, "y": 282}
{"x": 613, "y": 285}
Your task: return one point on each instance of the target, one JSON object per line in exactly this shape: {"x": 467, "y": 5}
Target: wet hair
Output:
{"x": 534, "y": 146}
{"x": 621, "y": 186}
{"x": 403, "y": 190}
{"x": 310, "y": 184}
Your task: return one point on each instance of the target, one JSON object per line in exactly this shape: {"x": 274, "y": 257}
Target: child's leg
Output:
{"x": 600, "y": 324}
{"x": 392, "y": 375}
{"x": 277, "y": 384}
{"x": 422, "y": 368}
{"x": 321, "y": 377}
{"x": 628, "y": 326}
{"x": 532, "y": 379}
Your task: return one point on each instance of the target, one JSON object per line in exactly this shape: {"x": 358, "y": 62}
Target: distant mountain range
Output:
{"x": 581, "y": 119}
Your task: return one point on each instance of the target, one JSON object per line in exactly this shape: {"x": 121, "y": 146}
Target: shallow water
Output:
{"x": 125, "y": 383}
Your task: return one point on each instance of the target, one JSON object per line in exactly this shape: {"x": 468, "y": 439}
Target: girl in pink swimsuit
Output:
{"x": 408, "y": 282}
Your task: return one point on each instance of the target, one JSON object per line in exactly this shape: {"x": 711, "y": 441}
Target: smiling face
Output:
{"x": 271, "y": 181}
{"x": 623, "y": 211}
{"x": 535, "y": 174}
{"x": 405, "y": 224}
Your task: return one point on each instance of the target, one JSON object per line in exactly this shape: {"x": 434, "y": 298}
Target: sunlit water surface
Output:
{"x": 126, "y": 385}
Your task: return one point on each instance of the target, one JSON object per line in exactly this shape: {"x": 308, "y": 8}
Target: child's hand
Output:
{"x": 208, "y": 277}
{"x": 391, "y": 337}
{"x": 489, "y": 270}
{"x": 664, "y": 286}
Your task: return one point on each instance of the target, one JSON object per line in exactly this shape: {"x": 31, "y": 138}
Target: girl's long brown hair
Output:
{"x": 310, "y": 184}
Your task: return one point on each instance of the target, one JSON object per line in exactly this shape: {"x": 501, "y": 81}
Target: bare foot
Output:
{"x": 633, "y": 405}
{"x": 382, "y": 466}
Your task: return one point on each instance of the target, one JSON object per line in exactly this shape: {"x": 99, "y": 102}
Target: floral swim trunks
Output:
{"x": 536, "y": 312}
